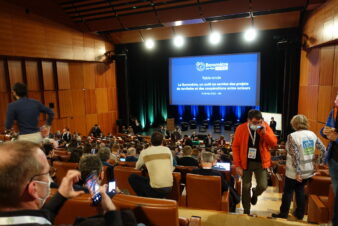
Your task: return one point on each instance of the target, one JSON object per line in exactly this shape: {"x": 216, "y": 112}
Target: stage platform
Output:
{"x": 225, "y": 133}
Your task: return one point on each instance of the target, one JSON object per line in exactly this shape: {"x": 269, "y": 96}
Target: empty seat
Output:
{"x": 62, "y": 169}
{"x": 193, "y": 124}
{"x": 205, "y": 192}
{"x": 152, "y": 211}
{"x": 320, "y": 208}
{"x": 121, "y": 175}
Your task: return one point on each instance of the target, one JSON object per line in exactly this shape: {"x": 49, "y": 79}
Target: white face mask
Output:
{"x": 255, "y": 127}
{"x": 43, "y": 199}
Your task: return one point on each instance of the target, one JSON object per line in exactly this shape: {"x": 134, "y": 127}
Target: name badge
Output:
{"x": 252, "y": 153}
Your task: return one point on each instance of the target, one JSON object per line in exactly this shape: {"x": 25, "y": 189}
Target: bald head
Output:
{"x": 19, "y": 162}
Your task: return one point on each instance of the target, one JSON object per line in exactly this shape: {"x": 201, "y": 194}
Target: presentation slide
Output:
{"x": 222, "y": 80}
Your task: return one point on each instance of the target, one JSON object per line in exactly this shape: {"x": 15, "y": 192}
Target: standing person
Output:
{"x": 159, "y": 162}
{"x": 251, "y": 154}
{"x": 330, "y": 132}
{"x": 96, "y": 131}
{"x": 273, "y": 124}
{"x": 66, "y": 136}
{"x": 300, "y": 147}
{"x": 26, "y": 112}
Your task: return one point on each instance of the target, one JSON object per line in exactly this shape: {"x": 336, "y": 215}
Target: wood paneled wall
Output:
{"x": 83, "y": 94}
{"x": 25, "y": 34}
{"x": 321, "y": 26}
{"x": 319, "y": 69}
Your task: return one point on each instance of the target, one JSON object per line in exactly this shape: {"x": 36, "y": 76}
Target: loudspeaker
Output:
{"x": 51, "y": 105}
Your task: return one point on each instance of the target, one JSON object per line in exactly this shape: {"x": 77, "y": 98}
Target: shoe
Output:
{"x": 254, "y": 197}
{"x": 275, "y": 215}
{"x": 247, "y": 212}
{"x": 298, "y": 218}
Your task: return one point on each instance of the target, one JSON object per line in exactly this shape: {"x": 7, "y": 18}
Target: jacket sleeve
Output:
{"x": 269, "y": 137}
{"x": 49, "y": 112}
{"x": 329, "y": 122}
{"x": 236, "y": 148}
{"x": 54, "y": 205}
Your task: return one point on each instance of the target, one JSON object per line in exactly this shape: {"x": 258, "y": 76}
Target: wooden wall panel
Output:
{"x": 15, "y": 71}
{"x": 50, "y": 97}
{"x": 3, "y": 85}
{"x": 324, "y": 103}
{"x": 91, "y": 120}
{"x": 100, "y": 75}
{"x": 90, "y": 101}
{"x": 111, "y": 78}
{"x": 63, "y": 75}
{"x": 76, "y": 75}
{"x": 48, "y": 75}
{"x": 314, "y": 59}
{"x": 78, "y": 124}
{"x": 35, "y": 95}
{"x": 78, "y": 100}
{"x": 335, "y": 71}
{"x": 304, "y": 69}
{"x": 89, "y": 76}
{"x": 105, "y": 120}
{"x": 65, "y": 103}
{"x": 326, "y": 65}
{"x": 32, "y": 73}
{"x": 3, "y": 108}
{"x": 101, "y": 100}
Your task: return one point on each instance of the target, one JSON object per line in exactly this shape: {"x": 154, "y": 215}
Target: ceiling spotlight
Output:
{"x": 178, "y": 23}
{"x": 250, "y": 34}
{"x": 214, "y": 38}
{"x": 149, "y": 43}
{"x": 178, "y": 41}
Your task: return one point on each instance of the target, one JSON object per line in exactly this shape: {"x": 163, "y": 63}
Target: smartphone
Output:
{"x": 94, "y": 189}
{"x": 111, "y": 186}
{"x": 122, "y": 159}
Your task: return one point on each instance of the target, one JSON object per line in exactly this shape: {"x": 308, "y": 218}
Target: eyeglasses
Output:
{"x": 51, "y": 172}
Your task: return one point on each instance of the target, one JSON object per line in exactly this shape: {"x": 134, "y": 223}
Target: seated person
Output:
{"x": 131, "y": 155}
{"x": 187, "y": 141}
{"x": 75, "y": 155}
{"x": 104, "y": 155}
{"x": 25, "y": 186}
{"x": 187, "y": 160}
{"x": 159, "y": 163}
{"x": 207, "y": 161}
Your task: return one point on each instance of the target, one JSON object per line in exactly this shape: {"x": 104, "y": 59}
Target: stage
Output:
{"x": 210, "y": 130}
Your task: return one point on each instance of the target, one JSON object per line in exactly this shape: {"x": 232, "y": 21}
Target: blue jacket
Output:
{"x": 331, "y": 123}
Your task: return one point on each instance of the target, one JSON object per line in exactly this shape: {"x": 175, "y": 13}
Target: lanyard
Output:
{"x": 23, "y": 220}
{"x": 253, "y": 138}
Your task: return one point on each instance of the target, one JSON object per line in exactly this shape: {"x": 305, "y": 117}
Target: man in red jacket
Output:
{"x": 251, "y": 154}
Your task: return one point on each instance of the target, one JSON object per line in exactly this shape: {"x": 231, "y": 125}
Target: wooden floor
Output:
{"x": 268, "y": 203}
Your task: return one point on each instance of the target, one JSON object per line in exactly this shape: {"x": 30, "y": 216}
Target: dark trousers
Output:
{"x": 335, "y": 210}
{"x": 291, "y": 185}
{"x": 141, "y": 186}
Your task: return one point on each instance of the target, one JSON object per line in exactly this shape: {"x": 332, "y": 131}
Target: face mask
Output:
{"x": 43, "y": 199}
{"x": 255, "y": 127}
{"x": 336, "y": 102}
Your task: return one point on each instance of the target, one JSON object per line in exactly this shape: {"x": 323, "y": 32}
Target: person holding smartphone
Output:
{"x": 23, "y": 196}
{"x": 251, "y": 154}
{"x": 329, "y": 131}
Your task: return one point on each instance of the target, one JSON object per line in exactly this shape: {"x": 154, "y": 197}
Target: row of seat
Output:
{"x": 146, "y": 210}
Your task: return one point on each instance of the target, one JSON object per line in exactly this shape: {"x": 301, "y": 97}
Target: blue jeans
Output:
{"x": 333, "y": 168}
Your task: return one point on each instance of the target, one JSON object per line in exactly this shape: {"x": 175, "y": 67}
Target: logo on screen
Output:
{"x": 200, "y": 66}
